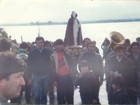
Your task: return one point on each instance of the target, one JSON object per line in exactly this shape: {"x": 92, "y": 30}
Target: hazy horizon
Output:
{"x": 60, "y": 10}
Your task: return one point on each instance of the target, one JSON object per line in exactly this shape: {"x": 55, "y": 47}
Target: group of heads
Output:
{"x": 41, "y": 43}
{"x": 120, "y": 50}
{"x": 59, "y": 43}
{"x": 122, "y": 46}
{"x": 12, "y": 68}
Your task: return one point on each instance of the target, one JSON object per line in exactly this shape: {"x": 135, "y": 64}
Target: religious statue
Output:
{"x": 73, "y": 34}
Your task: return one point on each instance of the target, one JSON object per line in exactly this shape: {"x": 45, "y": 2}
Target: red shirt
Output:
{"x": 62, "y": 68}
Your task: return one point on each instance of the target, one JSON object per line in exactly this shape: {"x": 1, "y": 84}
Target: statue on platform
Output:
{"x": 73, "y": 34}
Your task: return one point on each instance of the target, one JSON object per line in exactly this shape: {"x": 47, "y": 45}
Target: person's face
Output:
{"x": 84, "y": 69}
{"x": 138, "y": 41}
{"x": 115, "y": 86}
{"x": 91, "y": 48}
{"x": 135, "y": 49}
{"x": 86, "y": 41}
{"x": 13, "y": 85}
{"x": 120, "y": 54}
{"x": 40, "y": 44}
{"x": 48, "y": 46}
{"x": 59, "y": 47}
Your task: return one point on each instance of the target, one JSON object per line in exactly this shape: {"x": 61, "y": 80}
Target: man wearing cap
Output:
{"x": 11, "y": 76}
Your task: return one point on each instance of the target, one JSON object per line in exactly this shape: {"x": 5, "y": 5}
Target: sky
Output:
{"x": 20, "y": 11}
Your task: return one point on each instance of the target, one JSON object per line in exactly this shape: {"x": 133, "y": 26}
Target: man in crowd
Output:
{"x": 96, "y": 64}
{"x": 62, "y": 74}
{"x": 39, "y": 67}
{"x": 11, "y": 76}
{"x": 119, "y": 65}
{"x": 23, "y": 53}
{"x": 5, "y": 44}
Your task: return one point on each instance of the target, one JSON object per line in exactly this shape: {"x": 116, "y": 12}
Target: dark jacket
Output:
{"x": 136, "y": 62}
{"x": 88, "y": 87}
{"x": 39, "y": 62}
{"x": 124, "y": 67}
{"x": 136, "y": 69}
{"x": 120, "y": 97}
{"x": 87, "y": 83}
{"x": 96, "y": 62}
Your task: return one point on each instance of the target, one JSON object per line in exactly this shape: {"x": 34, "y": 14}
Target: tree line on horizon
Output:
{"x": 62, "y": 23}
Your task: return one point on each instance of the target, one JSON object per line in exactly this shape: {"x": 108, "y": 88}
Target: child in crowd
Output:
{"x": 86, "y": 80}
{"x": 120, "y": 94}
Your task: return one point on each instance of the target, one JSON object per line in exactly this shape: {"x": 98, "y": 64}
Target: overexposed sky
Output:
{"x": 19, "y": 11}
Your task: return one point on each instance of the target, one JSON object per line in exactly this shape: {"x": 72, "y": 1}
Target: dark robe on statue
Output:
{"x": 73, "y": 34}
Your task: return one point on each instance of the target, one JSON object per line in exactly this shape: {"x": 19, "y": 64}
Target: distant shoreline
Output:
{"x": 63, "y": 23}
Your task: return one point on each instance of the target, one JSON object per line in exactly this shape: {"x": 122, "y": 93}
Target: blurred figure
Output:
{"x": 85, "y": 41}
{"x": 87, "y": 81}
{"x": 134, "y": 55}
{"x": 15, "y": 46}
{"x": 49, "y": 46}
{"x": 11, "y": 76}
{"x": 39, "y": 67}
{"x": 104, "y": 46}
{"x": 62, "y": 74}
{"x": 23, "y": 54}
{"x": 138, "y": 40}
{"x": 23, "y": 51}
{"x": 127, "y": 44}
{"x": 116, "y": 65}
{"x": 5, "y": 44}
{"x": 96, "y": 48}
{"x": 120, "y": 94}
{"x": 84, "y": 44}
{"x": 96, "y": 63}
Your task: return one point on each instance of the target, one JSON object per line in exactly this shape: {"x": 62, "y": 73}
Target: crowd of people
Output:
{"x": 49, "y": 68}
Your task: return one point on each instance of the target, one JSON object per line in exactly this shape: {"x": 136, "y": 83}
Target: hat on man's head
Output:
{"x": 9, "y": 64}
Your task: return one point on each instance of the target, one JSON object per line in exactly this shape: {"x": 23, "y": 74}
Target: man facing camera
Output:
{"x": 11, "y": 76}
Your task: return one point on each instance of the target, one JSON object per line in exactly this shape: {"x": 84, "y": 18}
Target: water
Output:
{"x": 98, "y": 32}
